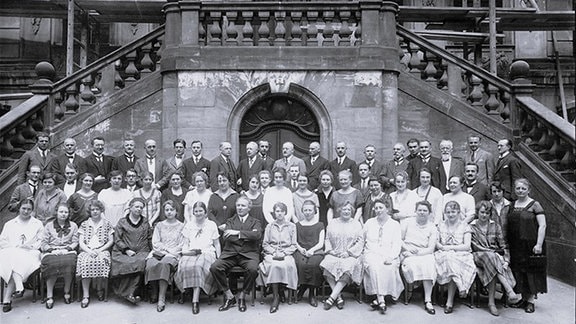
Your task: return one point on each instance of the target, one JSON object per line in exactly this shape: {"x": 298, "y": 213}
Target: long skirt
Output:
{"x": 123, "y": 264}
{"x": 162, "y": 269}
{"x": 419, "y": 267}
{"x": 194, "y": 271}
{"x": 278, "y": 271}
{"x": 89, "y": 266}
{"x": 455, "y": 266}
{"x": 59, "y": 265}
{"x": 309, "y": 272}
{"x": 337, "y": 267}
{"x": 489, "y": 264}
{"x": 380, "y": 278}
{"x": 16, "y": 260}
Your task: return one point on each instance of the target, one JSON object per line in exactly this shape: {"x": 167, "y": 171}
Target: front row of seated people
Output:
{"x": 198, "y": 255}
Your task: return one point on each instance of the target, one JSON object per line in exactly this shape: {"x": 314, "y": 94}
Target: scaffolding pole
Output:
{"x": 70, "y": 39}
{"x": 492, "y": 22}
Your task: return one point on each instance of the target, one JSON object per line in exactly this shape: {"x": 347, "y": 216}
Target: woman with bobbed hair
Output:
{"x": 80, "y": 200}
{"x": 346, "y": 194}
{"x": 277, "y": 193}
{"x": 222, "y": 203}
{"x": 201, "y": 192}
{"x": 175, "y": 192}
{"x": 324, "y": 192}
{"x": 403, "y": 199}
{"x": 115, "y": 198}
{"x": 48, "y": 198}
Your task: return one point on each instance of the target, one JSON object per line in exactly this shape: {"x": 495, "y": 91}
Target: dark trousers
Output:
{"x": 220, "y": 268}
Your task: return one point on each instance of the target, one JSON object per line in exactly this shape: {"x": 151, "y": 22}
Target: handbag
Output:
{"x": 537, "y": 262}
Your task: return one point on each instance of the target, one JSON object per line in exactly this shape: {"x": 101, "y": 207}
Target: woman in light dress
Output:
{"x": 115, "y": 198}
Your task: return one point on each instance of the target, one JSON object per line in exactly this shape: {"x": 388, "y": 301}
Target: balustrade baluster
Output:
{"x": 6, "y": 148}
{"x": 505, "y": 113}
{"x": 430, "y": 71}
{"x": 231, "y": 31}
{"x": 201, "y": 29}
{"x": 534, "y": 134}
{"x": 358, "y": 30}
{"x": 118, "y": 80}
{"x": 159, "y": 48}
{"x": 147, "y": 64}
{"x": 29, "y": 133}
{"x": 567, "y": 162}
{"x": 345, "y": 33}
{"x": 58, "y": 111}
{"x": 97, "y": 86}
{"x": 18, "y": 141}
{"x": 247, "y": 30}
{"x": 280, "y": 30}
{"x": 492, "y": 104}
{"x": 214, "y": 30}
{"x": 131, "y": 71}
{"x": 476, "y": 95}
{"x": 312, "y": 31}
{"x": 296, "y": 31}
{"x": 545, "y": 143}
{"x": 86, "y": 94}
{"x": 37, "y": 122}
{"x": 555, "y": 151}
{"x": 71, "y": 102}
{"x": 264, "y": 30}
{"x": 415, "y": 61}
{"x": 328, "y": 33}
{"x": 443, "y": 81}
{"x": 464, "y": 86}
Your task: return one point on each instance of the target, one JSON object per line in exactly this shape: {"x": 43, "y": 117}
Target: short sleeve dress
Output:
{"x": 95, "y": 235}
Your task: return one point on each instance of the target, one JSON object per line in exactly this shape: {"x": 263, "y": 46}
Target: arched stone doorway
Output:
{"x": 297, "y": 116}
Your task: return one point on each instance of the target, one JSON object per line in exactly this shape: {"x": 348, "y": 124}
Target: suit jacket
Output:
{"x": 33, "y": 157}
{"x": 99, "y": 168}
{"x": 141, "y": 168}
{"x": 456, "y": 169}
{"x": 247, "y": 244}
{"x": 364, "y": 191}
{"x": 268, "y": 162}
{"x": 485, "y": 161}
{"x": 122, "y": 164}
{"x": 77, "y": 187}
{"x": 388, "y": 172}
{"x": 218, "y": 165}
{"x": 280, "y": 163}
{"x": 169, "y": 167}
{"x": 58, "y": 166}
{"x": 507, "y": 170}
{"x": 21, "y": 192}
{"x": 244, "y": 170}
{"x": 434, "y": 165}
{"x": 313, "y": 170}
{"x": 347, "y": 164}
{"x": 190, "y": 167}
{"x": 376, "y": 168}
{"x": 479, "y": 191}
{"x": 288, "y": 184}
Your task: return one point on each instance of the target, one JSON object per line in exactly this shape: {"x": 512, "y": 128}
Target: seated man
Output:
{"x": 241, "y": 247}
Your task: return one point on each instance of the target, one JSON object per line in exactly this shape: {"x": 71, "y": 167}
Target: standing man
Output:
{"x": 27, "y": 189}
{"x": 397, "y": 164}
{"x": 364, "y": 178}
{"x": 251, "y": 165}
{"x": 452, "y": 166}
{"x": 150, "y": 163}
{"x": 507, "y": 168}
{"x": 127, "y": 160}
{"x": 425, "y": 159}
{"x": 223, "y": 163}
{"x": 483, "y": 158}
{"x": 289, "y": 159}
{"x": 71, "y": 185}
{"x": 293, "y": 174}
{"x": 374, "y": 165}
{"x": 173, "y": 165}
{"x": 99, "y": 165}
{"x": 195, "y": 163}
{"x": 342, "y": 162}
{"x": 263, "y": 149}
{"x": 39, "y": 155}
{"x": 241, "y": 247}
{"x": 413, "y": 149}
{"x": 59, "y": 163}
{"x": 314, "y": 165}
{"x": 474, "y": 187}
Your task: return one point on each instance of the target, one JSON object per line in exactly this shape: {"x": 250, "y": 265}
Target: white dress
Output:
{"x": 465, "y": 200}
{"x": 419, "y": 267}
{"x": 274, "y": 195}
{"x": 115, "y": 203}
{"x": 14, "y": 258}
{"x": 192, "y": 197}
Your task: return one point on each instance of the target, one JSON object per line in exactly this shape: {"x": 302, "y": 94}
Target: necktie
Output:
{"x": 196, "y": 160}
{"x": 340, "y": 160}
{"x": 312, "y": 161}
{"x": 294, "y": 183}
{"x": 473, "y": 156}
{"x": 363, "y": 184}
{"x": 150, "y": 161}
{"x": 250, "y": 162}
{"x": 34, "y": 188}
{"x": 286, "y": 161}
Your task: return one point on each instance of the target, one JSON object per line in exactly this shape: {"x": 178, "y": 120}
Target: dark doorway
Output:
{"x": 279, "y": 118}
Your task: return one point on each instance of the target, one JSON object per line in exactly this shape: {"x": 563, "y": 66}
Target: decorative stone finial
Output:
{"x": 519, "y": 70}
{"x": 46, "y": 73}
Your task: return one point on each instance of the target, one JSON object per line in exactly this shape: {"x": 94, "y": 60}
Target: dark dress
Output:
{"x": 256, "y": 210}
{"x": 522, "y": 234}
{"x": 219, "y": 210}
{"x": 324, "y": 202}
{"x": 309, "y": 272}
{"x": 178, "y": 200}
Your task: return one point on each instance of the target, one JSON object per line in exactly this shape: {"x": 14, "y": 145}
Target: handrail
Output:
{"x": 108, "y": 59}
{"x": 451, "y": 58}
{"x": 21, "y": 112}
{"x": 565, "y": 128}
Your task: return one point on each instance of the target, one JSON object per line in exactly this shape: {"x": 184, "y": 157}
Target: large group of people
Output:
{"x": 289, "y": 225}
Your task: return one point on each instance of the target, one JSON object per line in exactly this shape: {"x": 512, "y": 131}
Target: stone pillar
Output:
{"x": 522, "y": 86}
{"x": 190, "y": 19}
{"x": 173, "y": 24}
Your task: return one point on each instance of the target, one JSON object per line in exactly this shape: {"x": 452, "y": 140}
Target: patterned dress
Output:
{"x": 152, "y": 202}
{"x": 95, "y": 235}
{"x": 279, "y": 238}
{"x": 339, "y": 199}
{"x": 309, "y": 272}
{"x": 56, "y": 237}
{"x": 343, "y": 236}
{"x": 78, "y": 205}
{"x": 419, "y": 267}
{"x": 457, "y": 266}
{"x": 194, "y": 271}
{"x": 383, "y": 242}
{"x": 485, "y": 242}
{"x": 167, "y": 238}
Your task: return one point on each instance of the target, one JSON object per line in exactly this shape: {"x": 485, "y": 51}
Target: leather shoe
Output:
{"x": 195, "y": 308}
{"x": 100, "y": 294}
{"x": 67, "y": 299}
{"x": 6, "y": 307}
{"x": 242, "y": 305}
{"x": 85, "y": 302}
{"x": 429, "y": 308}
{"x": 18, "y": 294}
{"x": 328, "y": 303}
{"x": 339, "y": 302}
{"x": 160, "y": 308}
{"x": 312, "y": 300}
{"x": 448, "y": 309}
{"x": 521, "y": 304}
{"x": 529, "y": 307}
{"x": 493, "y": 310}
{"x": 133, "y": 300}
{"x": 49, "y": 303}
{"x": 227, "y": 304}
{"x": 274, "y": 307}
{"x": 382, "y": 308}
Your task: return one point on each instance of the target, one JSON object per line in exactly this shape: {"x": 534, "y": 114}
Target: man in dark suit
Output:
{"x": 249, "y": 166}
{"x": 150, "y": 163}
{"x": 474, "y": 187}
{"x": 413, "y": 145}
{"x": 507, "y": 168}
{"x": 59, "y": 163}
{"x": 434, "y": 164}
{"x": 453, "y": 166}
{"x": 241, "y": 247}
{"x": 374, "y": 164}
{"x": 292, "y": 178}
{"x": 223, "y": 163}
{"x": 483, "y": 158}
{"x": 99, "y": 164}
{"x": 263, "y": 150}
{"x": 39, "y": 155}
{"x": 397, "y": 164}
{"x": 195, "y": 163}
{"x": 364, "y": 175}
{"x": 27, "y": 189}
{"x": 173, "y": 165}
{"x": 127, "y": 160}
{"x": 71, "y": 184}
{"x": 314, "y": 165}
{"x": 342, "y": 162}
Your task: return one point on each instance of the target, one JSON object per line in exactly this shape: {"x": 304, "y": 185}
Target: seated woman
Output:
{"x": 162, "y": 261}
{"x": 200, "y": 248}
{"x": 454, "y": 262}
{"x": 491, "y": 255}
{"x": 59, "y": 243}
{"x": 278, "y": 245}
{"x": 419, "y": 238}
{"x": 19, "y": 243}
{"x": 300, "y": 195}
{"x": 344, "y": 244}
{"x": 80, "y": 200}
{"x": 381, "y": 256}
{"x": 310, "y": 241}
{"x": 48, "y": 198}
{"x": 96, "y": 239}
{"x": 131, "y": 247}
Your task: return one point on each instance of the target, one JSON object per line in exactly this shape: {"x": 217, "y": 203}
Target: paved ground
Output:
{"x": 556, "y": 307}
